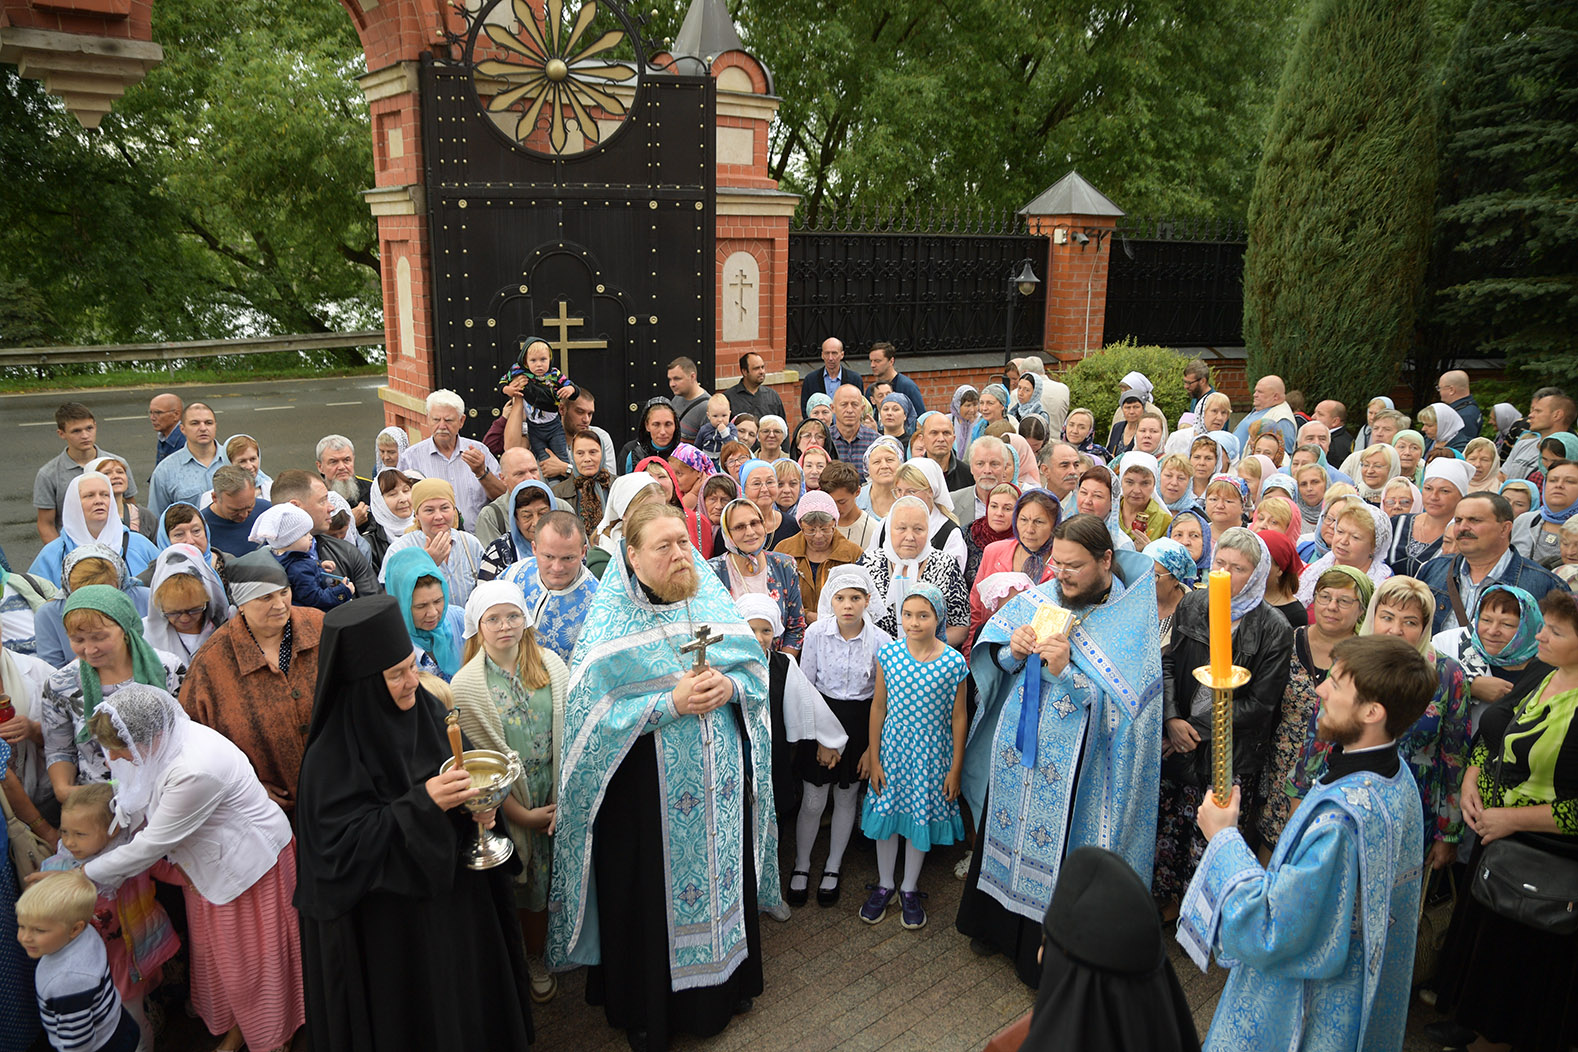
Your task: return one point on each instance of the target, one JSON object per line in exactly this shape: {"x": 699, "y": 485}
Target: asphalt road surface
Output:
{"x": 287, "y": 417}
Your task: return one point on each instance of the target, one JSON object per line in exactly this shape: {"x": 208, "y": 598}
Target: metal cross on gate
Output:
{"x": 564, "y": 345}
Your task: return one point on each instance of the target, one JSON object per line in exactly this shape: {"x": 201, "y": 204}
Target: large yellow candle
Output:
{"x": 1221, "y": 627}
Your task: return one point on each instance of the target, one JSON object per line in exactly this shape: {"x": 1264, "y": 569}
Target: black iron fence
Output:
{"x": 929, "y": 282}
{"x": 1176, "y": 283}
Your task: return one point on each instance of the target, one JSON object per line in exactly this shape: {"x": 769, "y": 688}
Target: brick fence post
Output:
{"x": 1077, "y": 221}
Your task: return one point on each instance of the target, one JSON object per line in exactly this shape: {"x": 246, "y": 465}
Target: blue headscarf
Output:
{"x": 999, "y": 392}
{"x": 1522, "y": 647}
{"x": 1203, "y": 563}
{"x": 961, "y": 434}
{"x": 1175, "y": 559}
{"x": 1227, "y": 443}
{"x": 750, "y": 466}
{"x": 933, "y": 595}
{"x": 906, "y": 405}
{"x": 162, "y": 538}
{"x": 1536, "y": 501}
{"x": 401, "y": 573}
{"x": 523, "y": 547}
{"x": 1284, "y": 482}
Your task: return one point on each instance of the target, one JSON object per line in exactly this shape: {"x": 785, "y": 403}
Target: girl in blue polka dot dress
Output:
{"x": 913, "y": 762}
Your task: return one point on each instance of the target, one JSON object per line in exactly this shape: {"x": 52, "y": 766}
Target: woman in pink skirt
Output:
{"x": 193, "y": 798}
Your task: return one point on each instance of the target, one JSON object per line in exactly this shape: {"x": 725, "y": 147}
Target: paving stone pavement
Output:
{"x": 833, "y": 982}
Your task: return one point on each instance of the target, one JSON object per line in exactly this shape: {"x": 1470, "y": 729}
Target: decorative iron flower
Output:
{"x": 551, "y": 73}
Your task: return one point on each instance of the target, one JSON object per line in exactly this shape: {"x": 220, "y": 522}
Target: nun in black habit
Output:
{"x": 402, "y": 945}
{"x": 1106, "y": 983}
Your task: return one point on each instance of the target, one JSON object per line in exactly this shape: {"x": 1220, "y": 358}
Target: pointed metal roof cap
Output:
{"x": 1069, "y": 196}
{"x": 707, "y": 32}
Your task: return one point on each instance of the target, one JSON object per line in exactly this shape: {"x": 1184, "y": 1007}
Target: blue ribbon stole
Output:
{"x": 1029, "y": 713}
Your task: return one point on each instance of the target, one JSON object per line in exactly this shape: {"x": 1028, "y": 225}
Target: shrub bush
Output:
{"x": 1093, "y": 381}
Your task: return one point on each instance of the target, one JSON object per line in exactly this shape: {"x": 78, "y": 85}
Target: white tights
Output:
{"x": 888, "y": 857}
{"x": 812, "y": 803}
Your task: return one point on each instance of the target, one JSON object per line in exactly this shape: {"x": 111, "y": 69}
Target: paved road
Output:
{"x": 287, "y": 417}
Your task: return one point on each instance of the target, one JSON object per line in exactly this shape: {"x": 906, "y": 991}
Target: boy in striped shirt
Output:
{"x": 76, "y": 997}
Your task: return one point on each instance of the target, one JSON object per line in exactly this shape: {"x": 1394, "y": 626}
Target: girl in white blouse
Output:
{"x": 839, "y": 657}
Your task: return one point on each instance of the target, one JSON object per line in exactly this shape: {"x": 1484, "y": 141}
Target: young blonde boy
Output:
{"x": 77, "y": 1002}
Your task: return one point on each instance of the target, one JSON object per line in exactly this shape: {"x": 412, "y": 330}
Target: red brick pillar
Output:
{"x": 752, "y": 229}
{"x": 394, "y": 36}
{"x": 86, "y": 51}
{"x": 1077, "y": 221}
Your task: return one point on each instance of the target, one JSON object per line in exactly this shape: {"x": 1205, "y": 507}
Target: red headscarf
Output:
{"x": 1282, "y": 552}
{"x": 696, "y": 522}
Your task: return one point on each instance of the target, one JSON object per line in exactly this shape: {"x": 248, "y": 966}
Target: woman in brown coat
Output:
{"x": 254, "y": 678}
{"x": 818, "y": 547}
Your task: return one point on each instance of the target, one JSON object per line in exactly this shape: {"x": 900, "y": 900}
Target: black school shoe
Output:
{"x": 798, "y": 898}
{"x": 827, "y": 896}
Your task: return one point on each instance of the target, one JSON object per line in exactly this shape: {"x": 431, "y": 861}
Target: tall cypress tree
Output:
{"x": 1339, "y": 218}
{"x": 1504, "y": 262}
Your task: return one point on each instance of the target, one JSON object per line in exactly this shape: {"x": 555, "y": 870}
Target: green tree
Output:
{"x": 1159, "y": 104}
{"x": 220, "y": 197}
{"x": 1504, "y": 263}
{"x": 1340, "y": 216}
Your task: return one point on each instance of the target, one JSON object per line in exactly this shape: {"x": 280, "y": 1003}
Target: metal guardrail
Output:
{"x": 169, "y": 352}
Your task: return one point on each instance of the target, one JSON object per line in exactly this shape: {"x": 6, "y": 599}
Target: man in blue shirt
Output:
{"x": 186, "y": 474}
{"x": 883, "y": 372}
{"x": 164, "y": 413}
{"x": 851, "y": 438}
{"x": 827, "y": 379}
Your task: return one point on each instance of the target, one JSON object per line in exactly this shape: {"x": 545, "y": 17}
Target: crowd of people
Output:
{"x": 224, "y": 708}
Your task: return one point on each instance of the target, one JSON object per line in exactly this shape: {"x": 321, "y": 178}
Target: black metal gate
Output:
{"x": 571, "y": 194}
{"x": 1176, "y": 283}
{"x": 932, "y": 284}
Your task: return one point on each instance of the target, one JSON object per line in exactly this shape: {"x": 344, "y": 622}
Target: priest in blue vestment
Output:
{"x": 666, "y": 842}
{"x": 1065, "y": 748}
{"x": 555, "y": 581}
{"x": 1321, "y": 940}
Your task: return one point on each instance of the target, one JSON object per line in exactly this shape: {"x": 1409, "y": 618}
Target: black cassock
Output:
{"x": 633, "y": 983}
{"x": 403, "y": 946}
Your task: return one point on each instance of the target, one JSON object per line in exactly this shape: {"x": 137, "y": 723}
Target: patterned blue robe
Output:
{"x": 557, "y": 617}
{"x": 621, "y": 681}
{"x": 1087, "y": 781}
{"x": 1321, "y": 941}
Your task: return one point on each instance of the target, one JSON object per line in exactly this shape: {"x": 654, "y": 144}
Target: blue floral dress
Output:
{"x": 18, "y": 1006}
{"x": 917, "y": 749}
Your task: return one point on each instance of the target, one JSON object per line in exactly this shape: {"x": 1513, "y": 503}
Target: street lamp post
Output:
{"x": 1024, "y": 284}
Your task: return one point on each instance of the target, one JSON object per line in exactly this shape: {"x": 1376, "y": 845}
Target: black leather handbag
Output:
{"x": 1518, "y": 879}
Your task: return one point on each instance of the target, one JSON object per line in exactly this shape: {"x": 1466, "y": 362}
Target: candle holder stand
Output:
{"x": 1222, "y": 728}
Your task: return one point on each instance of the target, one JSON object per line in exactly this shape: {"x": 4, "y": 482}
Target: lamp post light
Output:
{"x": 1024, "y": 284}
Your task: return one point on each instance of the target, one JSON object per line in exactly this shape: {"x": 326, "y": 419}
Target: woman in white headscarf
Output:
{"x": 389, "y": 445}
{"x": 621, "y": 497}
{"x": 1361, "y": 538}
{"x": 906, "y": 555}
{"x": 88, "y": 516}
{"x": 946, "y": 536}
{"x": 186, "y": 602}
{"x": 1442, "y": 425}
{"x": 199, "y": 803}
{"x": 509, "y": 696}
{"x": 1373, "y": 468}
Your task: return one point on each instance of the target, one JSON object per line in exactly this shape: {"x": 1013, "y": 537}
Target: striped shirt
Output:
{"x": 76, "y": 997}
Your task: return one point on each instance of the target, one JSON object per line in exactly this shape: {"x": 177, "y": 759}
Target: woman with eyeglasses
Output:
{"x": 510, "y": 697}
{"x": 186, "y": 603}
{"x": 1294, "y": 763}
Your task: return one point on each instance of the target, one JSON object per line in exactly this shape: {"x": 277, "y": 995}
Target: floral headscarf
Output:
{"x": 1175, "y": 559}
{"x": 694, "y": 459}
{"x": 755, "y": 560}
